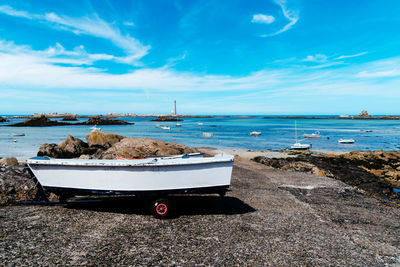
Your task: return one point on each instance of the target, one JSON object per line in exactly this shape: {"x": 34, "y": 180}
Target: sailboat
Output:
{"x": 298, "y": 145}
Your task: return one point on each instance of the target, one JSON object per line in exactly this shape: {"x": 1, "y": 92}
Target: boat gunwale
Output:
{"x": 132, "y": 163}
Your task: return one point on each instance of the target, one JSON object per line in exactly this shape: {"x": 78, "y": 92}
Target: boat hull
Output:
{"x": 136, "y": 178}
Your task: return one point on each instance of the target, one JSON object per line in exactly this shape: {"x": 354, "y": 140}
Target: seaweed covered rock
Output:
{"x": 2, "y": 119}
{"x": 39, "y": 121}
{"x": 140, "y": 147}
{"x": 104, "y": 121}
{"x": 166, "y": 118}
{"x": 69, "y": 118}
{"x": 376, "y": 172}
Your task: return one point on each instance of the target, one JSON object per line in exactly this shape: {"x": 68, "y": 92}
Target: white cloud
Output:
{"x": 261, "y": 18}
{"x": 379, "y": 74}
{"x": 93, "y": 26}
{"x": 350, "y": 56}
{"x": 319, "y": 58}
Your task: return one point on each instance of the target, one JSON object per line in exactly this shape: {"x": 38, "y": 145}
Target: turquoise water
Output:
{"x": 231, "y": 133}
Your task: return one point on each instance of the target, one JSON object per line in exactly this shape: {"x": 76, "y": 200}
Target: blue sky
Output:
{"x": 213, "y": 57}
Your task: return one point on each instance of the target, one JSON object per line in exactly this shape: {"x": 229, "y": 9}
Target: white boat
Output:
{"x": 199, "y": 123}
{"x": 315, "y": 134}
{"x": 205, "y": 134}
{"x": 255, "y": 133}
{"x": 165, "y": 127}
{"x": 346, "y": 141}
{"x": 298, "y": 145}
{"x": 178, "y": 125}
{"x": 151, "y": 175}
{"x": 17, "y": 134}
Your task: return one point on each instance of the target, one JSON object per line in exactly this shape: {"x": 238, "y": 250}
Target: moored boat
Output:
{"x": 298, "y": 145}
{"x": 255, "y": 133}
{"x": 315, "y": 134}
{"x": 346, "y": 141}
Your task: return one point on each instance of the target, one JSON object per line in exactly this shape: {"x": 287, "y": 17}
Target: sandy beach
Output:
{"x": 270, "y": 217}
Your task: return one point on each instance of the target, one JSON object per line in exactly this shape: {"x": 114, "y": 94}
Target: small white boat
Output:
{"x": 346, "y": 141}
{"x": 255, "y": 133}
{"x": 315, "y": 134}
{"x": 298, "y": 145}
{"x": 205, "y": 134}
{"x": 199, "y": 123}
{"x": 17, "y": 134}
{"x": 165, "y": 127}
{"x": 95, "y": 129}
{"x": 178, "y": 125}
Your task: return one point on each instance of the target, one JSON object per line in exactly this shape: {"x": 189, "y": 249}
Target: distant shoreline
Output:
{"x": 387, "y": 117}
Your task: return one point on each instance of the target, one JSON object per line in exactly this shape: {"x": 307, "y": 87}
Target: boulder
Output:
{"x": 2, "y": 119}
{"x": 103, "y": 139}
{"x": 70, "y": 148}
{"x": 39, "y": 121}
{"x": 9, "y": 161}
{"x": 103, "y": 121}
{"x": 73, "y": 147}
{"x": 140, "y": 147}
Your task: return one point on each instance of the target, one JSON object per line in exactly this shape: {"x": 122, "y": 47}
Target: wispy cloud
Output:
{"x": 291, "y": 15}
{"x": 350, "y": 56}
{"x": 319, "y": 58}
{"x": 263, "y": 19}
{"x": 379, "y": 74}
{"x": 89, "y": 25}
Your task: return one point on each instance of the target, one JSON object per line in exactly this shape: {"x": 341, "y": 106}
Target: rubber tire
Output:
{"x": 161, "y": 208}
{"x": 222, "y": 193}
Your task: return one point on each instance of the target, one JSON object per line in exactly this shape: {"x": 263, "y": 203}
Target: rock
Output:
{"x": 39, "y": 121}
{"x": 166, "y": 118}
{"x": 103, "y": 139}
{"x": 140, "y": 147}
{"x": 15, "y": 187}
{"x": 2, "y": 119}
{"x": 104, "y": 121}
{"x": 73, "y": 147}
{"x": 9, "y": 162}
{"x": 70, "y": 148}
{"x": 69, "y": 118}
{"x": 376, "y": 172}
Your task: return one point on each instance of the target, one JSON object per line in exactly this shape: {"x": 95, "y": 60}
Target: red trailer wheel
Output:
{"x": 161, "y": 208}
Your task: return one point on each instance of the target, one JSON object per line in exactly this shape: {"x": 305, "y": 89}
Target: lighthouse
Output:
{"x": 174, "y": 108}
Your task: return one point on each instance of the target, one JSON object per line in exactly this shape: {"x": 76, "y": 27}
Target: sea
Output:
{"x": 231, "y": 132}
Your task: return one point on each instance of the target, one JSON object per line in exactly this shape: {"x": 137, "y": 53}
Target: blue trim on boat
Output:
{"x": 40, "y": 158}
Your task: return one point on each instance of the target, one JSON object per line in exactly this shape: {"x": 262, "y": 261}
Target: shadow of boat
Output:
{"x": 183, "y": 205}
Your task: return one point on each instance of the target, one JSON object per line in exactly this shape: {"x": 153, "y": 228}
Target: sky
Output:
{"x": 213, "y": 57}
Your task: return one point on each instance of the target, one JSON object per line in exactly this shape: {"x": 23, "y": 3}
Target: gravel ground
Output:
{"x": 270, "y": 217}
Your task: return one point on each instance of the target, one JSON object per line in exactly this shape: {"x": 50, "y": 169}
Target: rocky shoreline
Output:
{"x": 375, "y": 172}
